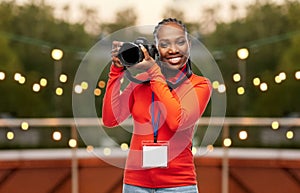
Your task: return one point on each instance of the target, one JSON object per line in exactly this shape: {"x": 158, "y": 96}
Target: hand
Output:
{"x": 116, "y": 45}
{"x": 147, "y": 62}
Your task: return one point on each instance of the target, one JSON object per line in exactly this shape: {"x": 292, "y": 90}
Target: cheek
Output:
{"x": 185, "y": 50}
{"x": 162, "y": 52}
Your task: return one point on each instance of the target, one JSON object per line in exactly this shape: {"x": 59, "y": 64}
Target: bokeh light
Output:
{"x": 72, "y": 143}
{"x": 275, "y": 125}
{"x": 56, "y": 135}
{"x": 63, "y": 78}
{"x": 227, "y": 142}
{"x": 97, "y": 92}
{"x": 59, "y": 91}
{"x": 297, "y": 75}
{"x": 124, "y": 146}
{"x": 221, "y": 88}
{"x": 289, "y": 134}
{"x": 236, "y": 77}
{"x": 84, "y": 85}
{"x": 57, "y": 54}
{"x": 36, "y": 87}
{"x": 43, "y": 82}
{"x": 24, "y": 126}
{"x": 215, "y": 84}
{"x": 243, "y": 135}
{"x": 10, "y": 135}
{"x": 243, "y": 53}
{"x": 107, "y": 151}
{"x": 240, "y": 90}
{"x": 101, "y": 84}
{"x": 78, "y": 89}
{"x": 2, "y": 75}
{"x": 256, "y": 81}
{"x": 263, "y": 86}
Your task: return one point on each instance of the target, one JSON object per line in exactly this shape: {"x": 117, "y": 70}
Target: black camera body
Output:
{"x": 131, "y": 53}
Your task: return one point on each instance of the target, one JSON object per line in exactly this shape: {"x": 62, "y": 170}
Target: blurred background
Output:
{"x": 256, "y": 45}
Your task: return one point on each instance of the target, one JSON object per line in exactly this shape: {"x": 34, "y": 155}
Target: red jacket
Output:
{"x": 179, "y": 111}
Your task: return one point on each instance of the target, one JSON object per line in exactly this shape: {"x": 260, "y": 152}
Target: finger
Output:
{"x": 145, "y": 52}
{"x": 116, "y": 44}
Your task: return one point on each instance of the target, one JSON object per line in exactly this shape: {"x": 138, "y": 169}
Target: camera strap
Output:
{"x": 187, "y": 72}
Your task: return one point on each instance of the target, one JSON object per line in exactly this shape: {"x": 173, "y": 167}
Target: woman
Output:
{"x": 164, "y": 109}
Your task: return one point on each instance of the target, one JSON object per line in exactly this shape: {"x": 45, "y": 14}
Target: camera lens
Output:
{"x": 130, "y": 54}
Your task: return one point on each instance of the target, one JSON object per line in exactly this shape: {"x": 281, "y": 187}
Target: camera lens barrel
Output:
{"x": 130, "y": 54}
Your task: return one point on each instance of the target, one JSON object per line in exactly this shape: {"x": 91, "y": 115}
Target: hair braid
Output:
{"x": 168, "y": 20}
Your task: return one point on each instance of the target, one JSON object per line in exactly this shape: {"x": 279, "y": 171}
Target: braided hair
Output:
{"x": 168, "y": 20}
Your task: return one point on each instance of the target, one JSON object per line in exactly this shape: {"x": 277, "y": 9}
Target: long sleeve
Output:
{"x": 181, "y": 107}
{"x": 116, "y": 105}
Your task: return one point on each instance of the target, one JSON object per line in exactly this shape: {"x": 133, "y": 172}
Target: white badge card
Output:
{"x": 155, "y": 155}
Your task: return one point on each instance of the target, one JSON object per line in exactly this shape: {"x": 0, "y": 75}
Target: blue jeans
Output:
{"x": 182, "y": 189}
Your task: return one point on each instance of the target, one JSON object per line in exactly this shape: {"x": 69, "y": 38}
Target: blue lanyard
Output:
{"x": 155, "y": 123}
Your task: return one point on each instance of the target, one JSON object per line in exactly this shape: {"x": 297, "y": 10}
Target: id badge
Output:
{"x": 155, "y": 154}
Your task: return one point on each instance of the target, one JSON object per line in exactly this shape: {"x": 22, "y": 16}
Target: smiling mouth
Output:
{"x": 174, "y": 60}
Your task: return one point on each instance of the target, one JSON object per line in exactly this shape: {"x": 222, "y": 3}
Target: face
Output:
{"x": 173, "y": 45}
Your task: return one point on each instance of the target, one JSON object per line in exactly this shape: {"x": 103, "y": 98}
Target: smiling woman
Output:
{"x": 160, "y": 156}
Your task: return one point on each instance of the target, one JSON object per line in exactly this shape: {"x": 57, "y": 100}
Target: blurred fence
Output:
{"x": 11, "y": 127}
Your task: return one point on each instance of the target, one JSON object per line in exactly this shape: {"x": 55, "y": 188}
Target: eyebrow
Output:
{"x": 175, "y": 38}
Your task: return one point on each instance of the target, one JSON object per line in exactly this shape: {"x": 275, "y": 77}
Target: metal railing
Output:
{"x": 224, "y": 123}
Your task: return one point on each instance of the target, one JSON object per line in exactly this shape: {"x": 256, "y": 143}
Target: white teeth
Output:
{"x": 174, "y": 60}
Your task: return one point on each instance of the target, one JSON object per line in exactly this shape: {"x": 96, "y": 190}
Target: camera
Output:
{"x": 131, "y": 53}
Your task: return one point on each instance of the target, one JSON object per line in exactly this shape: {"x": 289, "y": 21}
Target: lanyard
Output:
{"x": 155, "y": 123}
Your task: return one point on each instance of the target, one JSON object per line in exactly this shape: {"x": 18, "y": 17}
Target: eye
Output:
{"x": 181, "y": 42}
{"x": 164, "y": 44}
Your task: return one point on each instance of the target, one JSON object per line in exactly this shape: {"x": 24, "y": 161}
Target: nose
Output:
{"x": 173, "y": 49}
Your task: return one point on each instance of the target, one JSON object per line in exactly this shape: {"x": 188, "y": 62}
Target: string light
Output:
{"x": 289, "y": 134}
{"x": 89, "y": 148}
{"x": 278, "y": 79}
{"x": 57, "y": 54}
{"x": 275, "y": 125}
{"x": 2, "y": 75}
{"x": 256, "y": 81}
{"x": 59, "y": 91}
{"x": 282, "y": 75}
{"x": 240, "y": 90}
{"x": 72, "y": 143}
{"x": 215, "y": 84}
{"x": 63, "y": 78}
{"x": 24, "y": 126}
{"x": 84, "y": 85}
{"x": 242, "y": 53}
{"x": 243, "y": 135}
{"x": 263, "y": 87}
{"x": 22, "y": 80}
{"x": 78, "y": 89}
{"x": 97, "y": 92}
{"x": 17, "y": 76}
{"x": 210, "y": 148}
{"x": 56, "y": 135}
{"x": 36, "y": 87}
{"x": 10, "y": 135}
{"x": 101, "y": 84}
{"x": 43, "y": 82}
{"x": 297, "y": 75}
{"x": 221, "y": 88}
{"x": 236, "y": 77}
{"x": 227, "y": 142}
{"x": 124, "y": 146}
{"x": 107, "y": 151}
